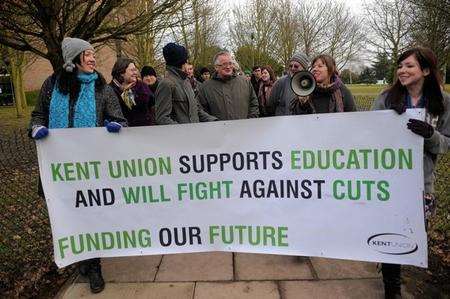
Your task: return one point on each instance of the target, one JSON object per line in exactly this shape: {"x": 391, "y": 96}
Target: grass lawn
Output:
{"x": 9, "y": 120}
{"x": 370, "y": 89}
{"x": 366, "y": 89}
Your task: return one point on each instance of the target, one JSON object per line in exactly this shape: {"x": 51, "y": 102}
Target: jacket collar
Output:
{"x": 177, "y": 72}
{"x": 216, "y": 77}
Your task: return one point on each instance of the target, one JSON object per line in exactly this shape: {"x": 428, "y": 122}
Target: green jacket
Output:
{"x": 229, "y": 99}
{"x": 176, "y": 102}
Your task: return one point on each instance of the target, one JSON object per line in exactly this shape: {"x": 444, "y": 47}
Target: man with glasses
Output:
{"x": 227, "y": 95}
{"x": 282, "y": 93}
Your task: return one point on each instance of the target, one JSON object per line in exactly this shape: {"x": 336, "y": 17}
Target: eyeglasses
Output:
{"x": 294, "y": 66}
{"x": 225, "y": 64}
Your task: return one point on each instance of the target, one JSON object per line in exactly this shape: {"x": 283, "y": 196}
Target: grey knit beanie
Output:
{"x": 302, "y": 59}
{"x": 72, "y": 47}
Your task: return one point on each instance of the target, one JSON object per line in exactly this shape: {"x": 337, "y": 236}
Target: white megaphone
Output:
{"x": 303, "y": 83}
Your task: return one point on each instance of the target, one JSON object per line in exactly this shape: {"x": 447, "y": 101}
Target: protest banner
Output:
{"x": 341, "y": 185}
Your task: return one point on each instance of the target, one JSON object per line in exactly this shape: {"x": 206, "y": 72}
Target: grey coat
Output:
{"x": 176, "y": 102}
{"x": 107, "y": 106}
{"x": 281, "y": 96}
{"x": 229, "y": 99}
{"x": 438, "y": 143}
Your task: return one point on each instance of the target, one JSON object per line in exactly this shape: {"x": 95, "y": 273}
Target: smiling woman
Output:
{"x": 77, "y": 96}
{"x": 136, "y": 99}
{"x": 418, "y": 86}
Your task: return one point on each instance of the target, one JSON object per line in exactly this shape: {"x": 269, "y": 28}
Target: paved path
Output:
{"x": 231, "y": 275}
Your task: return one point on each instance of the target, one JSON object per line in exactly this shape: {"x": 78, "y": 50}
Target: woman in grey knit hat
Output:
{"x": 77, "y": 96}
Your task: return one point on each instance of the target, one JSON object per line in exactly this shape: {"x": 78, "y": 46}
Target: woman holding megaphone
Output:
{"x": 321, "y": 92}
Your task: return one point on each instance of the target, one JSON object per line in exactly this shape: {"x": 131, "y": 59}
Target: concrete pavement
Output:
{"x": 231, "y": 275}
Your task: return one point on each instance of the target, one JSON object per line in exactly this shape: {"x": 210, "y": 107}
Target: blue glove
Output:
{"x": 39, "y": 132}
{"x": 112, "y": 127}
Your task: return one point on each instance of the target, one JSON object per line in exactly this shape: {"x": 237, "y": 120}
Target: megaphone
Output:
{"x": 303, "y": 83}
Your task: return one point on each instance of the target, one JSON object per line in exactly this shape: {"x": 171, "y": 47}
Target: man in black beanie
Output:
{"x": 175, "y": 99}
{"x": 149, "y": 77}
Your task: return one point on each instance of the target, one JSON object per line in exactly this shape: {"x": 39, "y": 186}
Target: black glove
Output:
{"x": 400, "y": 108}
{"x": 420, "y": 128}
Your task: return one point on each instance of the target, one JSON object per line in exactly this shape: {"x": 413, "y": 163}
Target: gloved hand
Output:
{"x": 39, "y": 132}
{"x": 400, "y": 108}
{"x": 420, "y": 128}
{"x": 112, "y": 127}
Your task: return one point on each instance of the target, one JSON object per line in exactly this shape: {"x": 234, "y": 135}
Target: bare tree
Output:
{"x": 430, "y": 27}
{"x": 253, "y": 26}
{"x": 314, "y": 19}
{"x": 199, "y": 29}
{"x": 142, "y": 46}
{"x": 40, "y": 26}
{"x": 287, "y": 38}
{"x": 344, "y": 36}
{"x": 390, "y": 26}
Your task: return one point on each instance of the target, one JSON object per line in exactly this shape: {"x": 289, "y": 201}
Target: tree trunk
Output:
{"x": 16, "y": 67}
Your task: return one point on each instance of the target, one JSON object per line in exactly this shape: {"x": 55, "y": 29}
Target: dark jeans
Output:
{"x": 391, "y": 278}
{"x": 392, "y": 272}
{"x": 88, "y": 264}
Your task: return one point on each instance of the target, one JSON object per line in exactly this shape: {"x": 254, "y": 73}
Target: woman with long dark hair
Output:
{"x": 418, "y": 86}
{"x": 330, "y": 94}
{"x": 265, "y": 85}
{"x": 77, "y": 96}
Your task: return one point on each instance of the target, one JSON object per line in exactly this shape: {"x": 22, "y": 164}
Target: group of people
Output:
{"x": 77, "y": 96}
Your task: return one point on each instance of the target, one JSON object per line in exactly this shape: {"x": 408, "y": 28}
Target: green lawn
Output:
{"x": 370, "y": 89}
{"x": 366, "y": 89}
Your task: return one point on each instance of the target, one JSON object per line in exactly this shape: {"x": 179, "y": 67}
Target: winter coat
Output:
{"x": 229, "y": 99}
{"x": 176, "y": 102}
{"x": 143, "y": 113}
{"x": 154, "y": 87}
{"x": 438, "y": 143}
{"x": 281, "y": 96}
{"x": 264, "y": 91}
{"x": 321, "y": 100}
{"x": 107, "y": 105}
{"x": 107, "y": 108}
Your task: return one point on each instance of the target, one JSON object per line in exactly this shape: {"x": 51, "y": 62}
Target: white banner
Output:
{"x": 342, "y": 185}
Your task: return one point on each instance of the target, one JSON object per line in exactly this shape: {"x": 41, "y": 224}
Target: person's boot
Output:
{"x": 96, "y": 282}
{"x": 392, "y": 281}
{"x": 83, "y": 268}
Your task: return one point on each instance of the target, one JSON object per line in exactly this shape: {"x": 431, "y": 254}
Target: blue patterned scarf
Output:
{"x": 85, "y": 115}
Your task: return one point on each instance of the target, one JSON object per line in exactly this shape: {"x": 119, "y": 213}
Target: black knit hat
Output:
{"x": 148, "y": 71}
{"x": 204, "y": 70}
{"x": 175, "y": 55}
